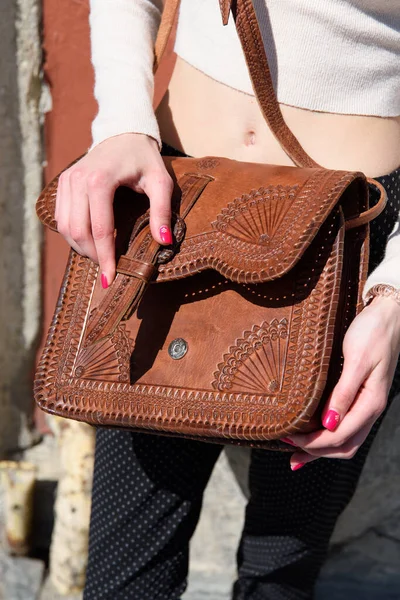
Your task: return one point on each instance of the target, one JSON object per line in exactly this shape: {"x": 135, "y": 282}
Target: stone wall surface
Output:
{"x": 20, "y": 181}
{"x": 12, "y": 360}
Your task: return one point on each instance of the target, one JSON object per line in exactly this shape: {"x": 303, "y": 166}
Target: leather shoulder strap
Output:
{"x": 257, "y": 63}
{"x": 169, "y": 15}
{"x": 225, "y": 6}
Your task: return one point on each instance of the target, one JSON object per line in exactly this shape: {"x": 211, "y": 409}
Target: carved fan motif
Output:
{"x": 255, "y": 217}
{"x": 108, "y": 360}
{"x": 256, "y": 363}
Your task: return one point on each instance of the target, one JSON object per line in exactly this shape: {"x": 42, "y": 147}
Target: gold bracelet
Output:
{"x": 382, "y": 289}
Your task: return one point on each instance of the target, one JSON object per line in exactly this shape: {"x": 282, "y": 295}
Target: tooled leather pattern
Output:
{"x": 257, "y": 361}
{"x": 163, "y": 408}
{"x": 207, "y": 163}
{"x": 316, "y": 328}
{"x": 125, "y": 293}
{"x": 57, "y": 358}
{"x": 45, "y": 205}
{"x": 263, "y": 250}
{"x": 234, "y": 415}
{"x": 109, "y": 310}
{"x": 73, "y": 322}
{"x": 191, "y": 186}
{"x": 141, "y": 251}
{"x": 256, "y": 217}
{"x": 109, "y": 360}
{"x": 242, "y": 416}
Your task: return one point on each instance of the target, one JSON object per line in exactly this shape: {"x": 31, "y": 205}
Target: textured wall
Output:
{"x": 11, "y": 231}
{"x": 19, "y": 237}
{"x": 69, "y": 77}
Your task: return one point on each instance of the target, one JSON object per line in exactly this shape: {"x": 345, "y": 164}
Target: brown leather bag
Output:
{"x": 238, "y": 337}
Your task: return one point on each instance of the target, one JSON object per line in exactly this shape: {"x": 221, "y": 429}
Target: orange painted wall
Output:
{"x": 69, "y": 74}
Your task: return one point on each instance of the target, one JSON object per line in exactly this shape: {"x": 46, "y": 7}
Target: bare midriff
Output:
{"x": 202, "y": 117}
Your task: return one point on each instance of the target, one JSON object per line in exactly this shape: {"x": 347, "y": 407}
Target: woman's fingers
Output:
{"x": 158, "y": 186}
{"x": 371, "y": 348}
{"x": 341, "y": 414}
{"x": 84, "y": 203}
{"x": 355, "y": 372}
{"x": 62, "y": 214}
{"x": 369, "y": 405}
{"x": 101, "y": 188}
{"x": 347, "y": 451}
{"x": 79, "y": 219}
{"x": 300, "y": 458}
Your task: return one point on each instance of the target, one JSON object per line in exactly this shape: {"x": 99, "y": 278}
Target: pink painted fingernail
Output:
{"x": 297, "y": 467}
{"x": 104, "y": 282}
{"x": 165, "y": 235}
{"x": 331, "y": 420}
{"x": 287, "y": 441}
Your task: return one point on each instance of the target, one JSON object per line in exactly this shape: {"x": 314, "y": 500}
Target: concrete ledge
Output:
{"x": 20, "y": 578}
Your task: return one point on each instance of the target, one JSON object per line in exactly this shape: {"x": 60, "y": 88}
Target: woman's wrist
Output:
{"x": 127, "y": 135}
{"x": 388, "y": 313}
{"x": 387, "y": 302}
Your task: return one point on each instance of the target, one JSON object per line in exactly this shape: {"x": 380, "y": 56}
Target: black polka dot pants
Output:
{"x": 146, "y": 503}
{"x": 147, "y": 495}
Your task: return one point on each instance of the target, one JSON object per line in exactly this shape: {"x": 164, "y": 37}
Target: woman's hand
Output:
{"x": 371, "y": 348}
{"x": 84, "y": 203}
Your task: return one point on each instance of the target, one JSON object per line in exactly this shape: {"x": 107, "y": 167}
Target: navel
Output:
{"x": 250, "y": 138}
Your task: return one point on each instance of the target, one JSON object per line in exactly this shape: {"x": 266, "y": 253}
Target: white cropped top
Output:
{"x": 339, "y": 56}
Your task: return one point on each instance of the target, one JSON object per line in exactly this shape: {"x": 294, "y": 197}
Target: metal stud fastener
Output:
{"x": 178, "y": 348}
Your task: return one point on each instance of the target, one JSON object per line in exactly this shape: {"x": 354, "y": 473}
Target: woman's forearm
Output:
{"x": 123, "y": 33}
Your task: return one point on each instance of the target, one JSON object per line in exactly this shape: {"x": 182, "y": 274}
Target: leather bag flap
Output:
{"x": 250, "y": 222}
